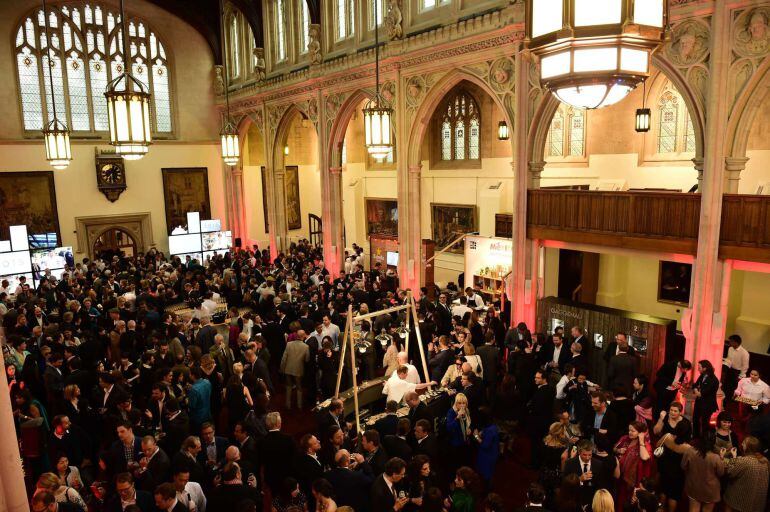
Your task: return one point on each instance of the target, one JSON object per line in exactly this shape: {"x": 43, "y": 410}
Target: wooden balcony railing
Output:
{"x": 649, "y": 220}
{"x": 745, "y": 229}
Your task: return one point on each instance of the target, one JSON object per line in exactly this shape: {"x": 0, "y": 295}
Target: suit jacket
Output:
{"x": 386, "y": 425}
{"x": 221, "y": 444}
{"x": 708, "y": 386}
{"x": 176, "y": 431}
{"x": 420, "y": 412}
{"x": 351, "y": 487}
{"x": 574, "y": 466}
{"x": 665, "y": 376}
{"x": 378, "y": 460}
{"x": 490, "y": 361}
{"x": 397, "y": 447}
{"x": 118, "y": 458}
{"x": 382, "y": 498}
{"x": 438, "y": 364}
{"x": 541, "y": 406}
{"x": 428, "y": 446}
{"x": 295, "y": 356}
{"x": 307, "y": 470}
{"x": 276, "y": 453}
{"x": 612, "y": 348}
{"x": 156, "y": 473}
{"x": 325, "y": 420}
{"x": 197, "y": 474}
{"x": 205, "y": 337}
{"x": 608, "y": 423}
{"x": 621, "y": 372}
{"x": 144, "y": 501}
{"x": 250, "y": 455}
{"x": 227, "y": 496}
{"x": 580, "y": 362}
{"x": 546, "y": 355}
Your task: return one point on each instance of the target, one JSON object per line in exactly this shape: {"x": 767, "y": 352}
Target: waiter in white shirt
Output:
{"x": 397, "y": 388}
{"x": 188, "y": 493}
{"x": 475, "y": 300}
{"x": 753, "y": 388}
{"x": 734, "y": 366}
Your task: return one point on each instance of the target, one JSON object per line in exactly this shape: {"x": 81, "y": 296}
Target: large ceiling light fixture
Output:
{"x": 377, "y": 114}
{"x": 231, "y": 150}
{"x": 594, "y": 52}
{"x": 128, "y": 107}
{"x": 56, "y": 134}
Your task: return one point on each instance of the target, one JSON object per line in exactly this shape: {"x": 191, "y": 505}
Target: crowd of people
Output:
{"x": 149, "y": 383}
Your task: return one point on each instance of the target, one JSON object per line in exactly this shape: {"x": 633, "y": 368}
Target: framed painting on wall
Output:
{"x": 381, "y": 217}
{"x": 674, "y": 282}
{"x": 264, "y": 198}
{"x": 185, "y": 190}
{"x": 449, "y": 221}
{"x": 28, "y": 198}
{"x": 293, "y": 208}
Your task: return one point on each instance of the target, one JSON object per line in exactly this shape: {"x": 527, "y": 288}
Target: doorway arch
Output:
{"x": 114, "y": 241}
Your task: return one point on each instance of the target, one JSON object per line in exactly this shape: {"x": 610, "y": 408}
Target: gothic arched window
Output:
{"x": 675, "y": 131}
{"x": 567, "y": 133}
{"x": 460, "y": 128}
{"x": 87, "y": 44}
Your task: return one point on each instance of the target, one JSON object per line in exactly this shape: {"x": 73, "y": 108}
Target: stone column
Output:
{"x": 734, "y": 166}
{"x": 698, "y": 163}
{"x": 535, "y": 170}
{"x": 271, "y": 212}
{"x": 239, "y": 230}
{"x": 414, "y": 260}
{"x": 520, "y": 311}
{"x": 706, "y": 326}
{"x": 13, "y": 495}
{"x": 334, "y": 223}
{"x": 279, "y": 207}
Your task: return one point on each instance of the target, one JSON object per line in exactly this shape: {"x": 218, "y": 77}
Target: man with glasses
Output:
{"x": 212, "y": 449}
{"x": 127, "y": 494}
{"x": 443, "y": 315}
{"x": 441, "y": 361}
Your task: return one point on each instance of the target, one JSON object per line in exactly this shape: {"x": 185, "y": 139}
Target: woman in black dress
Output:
{"x": 705, "y": 389}
{"x": 328, "y": 364}
{"x": 670, "y": 472}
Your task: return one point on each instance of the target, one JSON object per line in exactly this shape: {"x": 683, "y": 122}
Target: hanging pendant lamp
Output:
{"x": 128, "y": 107}
{"x": 231, "y": 151}
{"x": 58, "y": 152}
{"x": 377, "y": 114}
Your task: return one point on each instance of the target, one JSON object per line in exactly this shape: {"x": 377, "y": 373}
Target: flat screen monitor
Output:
{"x": 13, "y": 281}
{"x": 56, "y": 258}
{"x": 556, "y": 322}
{"x": 392, "y": 259}
{"x": 183, "y": 244}
{"x": 207, "y": 226}
{"x": 57, "y": 273}
{"x": 209, "y": 254}
{"x": 193, "y": 222}
{"x": 42, "y": 241}
{"x": 639, "y": 344}
{"x": 16, "y": 262}
{"x": 217, "y": 240}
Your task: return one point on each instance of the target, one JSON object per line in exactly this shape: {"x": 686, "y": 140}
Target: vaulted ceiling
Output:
{"x": 203, "y": 15}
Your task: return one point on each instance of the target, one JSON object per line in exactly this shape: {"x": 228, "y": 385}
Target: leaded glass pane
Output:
{"x": 556, "y": 136}
{"x": 689, "y": 142}
{"x": 235, "y": 59}
{"x": 31, "y": 106}
{"x": 281, "y": 29}
{"x": 78, "y": 94}
{"x": 473, "y": 140}
{"x": 58, "y": 87}
{"x": 667, "y": 128}
{"x": 98, "y": 75}
{"x": 342, "y": 26}
{"x": 161, "y": 97}
{"x": 460, "y": 141}
{"x": 29, "y": 27}
{"x": 446, "y": 140}
{"x": 305, "y": 27}
{"x": 577, "y": 134}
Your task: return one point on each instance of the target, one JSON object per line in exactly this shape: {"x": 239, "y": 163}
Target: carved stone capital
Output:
{"x": 415, "y": 170}
{"x": 237, "y": 172}
{"x": 219, "y": 81}
{"x": 733, "y": 164}
{"x": 335, "y": 171}
{"x": 314, "y": 45}
{"x": 537, "y": 167}
{"x": 698, "y": 164}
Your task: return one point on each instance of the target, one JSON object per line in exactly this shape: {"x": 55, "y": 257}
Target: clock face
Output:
{"x": 110, "y": 174}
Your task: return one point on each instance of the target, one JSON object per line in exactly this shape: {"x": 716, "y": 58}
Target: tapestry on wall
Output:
{"x": 449, "y": 222}
{"x": 185, "y": 190}
{"x": 264, "y": 198}
{"x": 293, "y": 210}
{"x": 382, "y": 217}
{"x": 674, "y": 282}
{"x": 28, "y": 198}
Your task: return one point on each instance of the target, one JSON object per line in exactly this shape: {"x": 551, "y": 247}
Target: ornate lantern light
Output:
{"x": 231, "y": 150}
{"x": 377, "y": 115}
{"x": 502, "y": 131}
{"x": 56, "y": 134}
{"x": 128, "y": 107}
{"x": 594, "y": 52}
{"x": 643, "y": 115}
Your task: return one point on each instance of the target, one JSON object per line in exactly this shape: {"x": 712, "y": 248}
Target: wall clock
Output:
{"x": 110, "y": 176}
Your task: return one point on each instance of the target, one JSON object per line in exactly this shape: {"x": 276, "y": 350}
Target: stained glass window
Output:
{"x": 86, "y": 47}
{"x": 460, "y": 128}
{"x": 689, "y": 136}
{"x": 280, "y": 33}
{"x": 344, "y": 14}
{"x": 667, "y": 123}
{"x": 305, "y": 27}
{"x": 382, "y": 7}
{"x": 567, "y": 133}
{"x": 234, "y": 46}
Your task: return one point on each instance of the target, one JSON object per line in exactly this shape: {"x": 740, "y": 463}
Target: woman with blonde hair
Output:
{"x": 473, "y": 359}
{"x": 63, "y": 494}
{"x": 603, "y": 502}
{"x": 458, "y": 426}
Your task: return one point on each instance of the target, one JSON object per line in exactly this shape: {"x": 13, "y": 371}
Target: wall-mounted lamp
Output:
{"x": 502, "y": 131}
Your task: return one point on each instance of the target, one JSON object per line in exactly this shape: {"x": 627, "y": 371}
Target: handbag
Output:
{"x": 661, "y": 448}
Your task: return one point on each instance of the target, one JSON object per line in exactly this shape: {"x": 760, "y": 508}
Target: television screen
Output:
{"x": 56, "y": 258}
{"x": 183, "y": 244}
{"x": 193, "y": 256}
{"x": 208, "y": 254}
{"x": 207, "y": 226}
{"x": 42, "y": 241}
{"x": 392, "y": 258}
{"x": 17, "y": 262}
{"x": 57, "y": 273}
{"x": 217, "y": 240}
{"x": 13, "y": 281}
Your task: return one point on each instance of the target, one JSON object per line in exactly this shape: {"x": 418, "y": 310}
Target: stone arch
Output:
{"x": 340, "y": 125}
{"x": 538, "y": 128}
{"x": 756, "y": 91}
{"x": 281, "y": 136}
{"x": 438, "y": 92}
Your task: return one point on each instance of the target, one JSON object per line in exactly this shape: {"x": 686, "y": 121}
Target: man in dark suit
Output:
{"x": 186, "y": 458}
{"x": 126, "y": 451}
{"x": 397, "y": 445}
{"x": 535, "y": 499}
{"x": 622, "y": 369}
{"x": 386, "y": 425}
{"x": 276, "y": 453}
{"x": 589, "y": 469}
{"x": 248, "y": 447}
{"x": 439, "y": 362}
{"x": 425, "y": 442}
{"x": 613, "y": 349}
{"x": 154, "y": 467}
{"x": 601, "y": 425}
{"x": 165, "y": 499}
{"x": 351, "y": 483}
{"x": 540, "y": 414}
{"x": 176, "y": 426}
{"x": 668, "y": 380}
{"x": 233, "y": 490}
{"x": 579, "y": 336}
{"x": 374, "y": 452}
{"x": 54, "y": 380}
{"x": 127, "y": 493}
{"x": 213, "y": 448}
{"x": 205, "y": 337}
{"x": 332, "y": 417}
{"x": 554, "y": 355}
{"x": 307, "y": 467}
{"x": 384, "y": 496}
{"x": 417, "y": 409}
{"x": 443, "y": 317}
{"x": 578, "y": 359}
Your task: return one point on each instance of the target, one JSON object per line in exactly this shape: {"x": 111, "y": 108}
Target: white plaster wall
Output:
{"x": 757, "y": 172}
{"x": 747, "y": 310}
